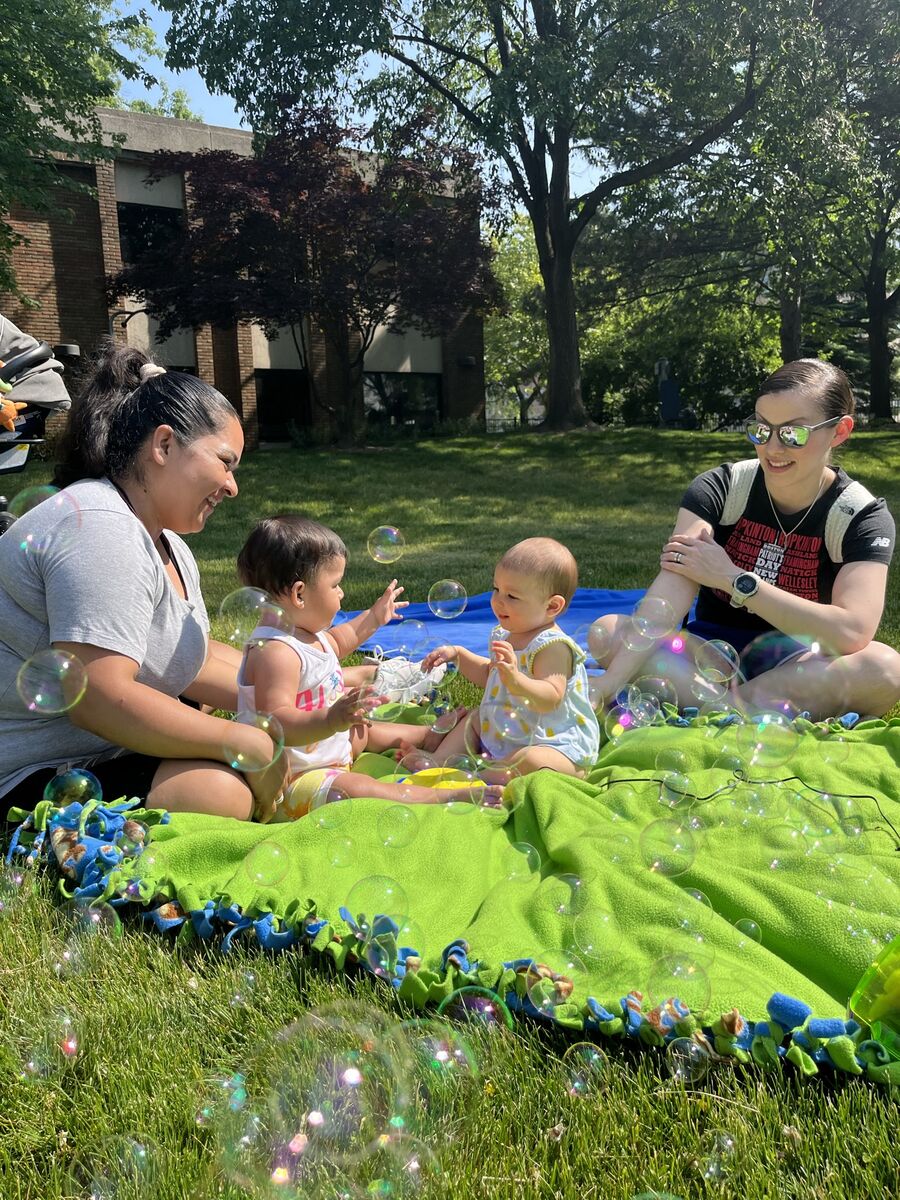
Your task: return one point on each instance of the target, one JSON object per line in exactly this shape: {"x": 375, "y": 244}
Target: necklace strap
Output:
{"x": 787, "y": 532}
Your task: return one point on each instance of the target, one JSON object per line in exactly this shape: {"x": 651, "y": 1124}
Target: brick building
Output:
{"x": 408, "y": 377}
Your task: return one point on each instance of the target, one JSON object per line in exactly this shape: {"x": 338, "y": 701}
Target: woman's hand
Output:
{"x": 269, "y": 781}
{"x": 700, "y": 559}
{"x": 385, "y": 607}
{"x": 437, "y": 658}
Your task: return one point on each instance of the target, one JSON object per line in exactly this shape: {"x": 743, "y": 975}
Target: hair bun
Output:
{"x": 150, "y": 371}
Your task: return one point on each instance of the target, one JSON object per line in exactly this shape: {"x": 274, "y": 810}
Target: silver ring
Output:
{"x": 677, "y": 557}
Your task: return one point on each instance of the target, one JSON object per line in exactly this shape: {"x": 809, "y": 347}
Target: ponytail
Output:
{"x": 124, "y": 399}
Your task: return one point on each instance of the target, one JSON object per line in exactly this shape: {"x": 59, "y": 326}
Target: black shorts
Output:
{"x": 129, "y": 775}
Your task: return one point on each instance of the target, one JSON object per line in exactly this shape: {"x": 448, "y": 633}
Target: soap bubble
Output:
{"x": 84, "y": 923}
{"x": 414, "y": 761}
{"x": 245, "y": 992}
{"x": 670, "y": 758}
{"x": 566, "y": 894}
{"x": 31, "y": 497}
{"x": 385, "y": 943}
{"x": 267, "y": 864}
{"x": 377, "y": 896}
{"x": 662, "y": 691}
{"x": 48, "y": 1050}
{"x": 781, "y": 845}
{"x": 718, "y": 1157}
{"x": 674, "y": 789}
{"x": 412, "y": 637}
{"x": 239, "y": 758}
{"x": 341, "y": 853}
{"x": 476, "y": 1006}
{"x": 523, "y": 862}
{"x": 687, "y": 1060}
{"x": 15, "y": 887}
{"x": 51, "y": 682}
{"x": 77, "y": 786}
{"x": 331, "y": 1086}
{"x": 618, "y": 722}
{"x": 446, "y": 722}
{"x": 700, "y": 897}
{"x": 653, "y": 619}
{"x": 400, "y": 1165}
{"x": 833, "y": 751}
{"x": 121, "y": 1168}
{"x": 767, "y": 740}
{"x": 331, "y": 807}
{"x": 600, "y": 641}
{"x": 386, "y": 544}
{"x": 441, "y": 1054}
{"x": 717, "y": 661}
{"x": 749, "y": 930}
{"x": 679, "y": 977}
{"x": 597, "y": 939}
{"x": 397, "y": 826}
{"x": 667, "y": 847}
{"x": 246, "y": 609}
{"x": 549, "y": 980}
{"x": 587, "y": 1070}
{"x": 447, "y": 599}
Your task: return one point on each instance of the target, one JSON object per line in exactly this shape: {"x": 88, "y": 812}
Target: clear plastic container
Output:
{"x": 876, "y": 1000}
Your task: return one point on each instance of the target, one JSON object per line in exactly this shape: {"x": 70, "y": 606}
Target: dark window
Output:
{"x": 282, "y": 401}
{"x": 402, "y": 398}
{"x": 146, "y": 229}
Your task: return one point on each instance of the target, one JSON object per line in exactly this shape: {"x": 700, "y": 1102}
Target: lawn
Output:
{"x": 158, "y": 1026}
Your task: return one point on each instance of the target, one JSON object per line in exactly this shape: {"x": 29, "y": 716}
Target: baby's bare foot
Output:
{"x": 490, "y": 796}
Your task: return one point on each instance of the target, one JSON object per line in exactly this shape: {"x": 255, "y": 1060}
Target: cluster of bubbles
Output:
{"x": 351, "y": 1101}
{"x": 446, "y": 599}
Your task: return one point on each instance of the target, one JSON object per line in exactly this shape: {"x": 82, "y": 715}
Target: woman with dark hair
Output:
{"x": 100, "y": 572}
{"x": 787, "y": 557}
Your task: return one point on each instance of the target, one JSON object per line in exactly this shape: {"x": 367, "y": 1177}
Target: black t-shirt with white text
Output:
{"x": 798, "y": 563}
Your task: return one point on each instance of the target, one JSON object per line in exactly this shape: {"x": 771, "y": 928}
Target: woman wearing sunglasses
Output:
{"x": 787, "y": 557}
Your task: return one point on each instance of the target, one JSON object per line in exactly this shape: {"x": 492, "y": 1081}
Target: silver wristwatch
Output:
{"x": 743, "y": 587}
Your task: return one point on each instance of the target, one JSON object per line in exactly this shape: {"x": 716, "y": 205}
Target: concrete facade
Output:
{"x": 72, "y": 249}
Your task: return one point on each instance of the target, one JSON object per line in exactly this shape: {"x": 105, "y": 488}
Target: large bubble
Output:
{"x": 447, "y": 599}
{"x": 246, "y": 609}
{"x": 51, "y": 682}
{"x": 386, "y": 544}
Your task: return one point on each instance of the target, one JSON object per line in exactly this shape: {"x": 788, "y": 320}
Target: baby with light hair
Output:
{"x": 536, "y": 711}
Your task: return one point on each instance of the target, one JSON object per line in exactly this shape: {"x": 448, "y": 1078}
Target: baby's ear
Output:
{"x": 298, "y": 587}
{"x": 555, "y": 605}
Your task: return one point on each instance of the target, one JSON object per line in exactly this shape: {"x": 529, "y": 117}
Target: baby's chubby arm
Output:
{"x": 473, "y": 666}
{"x": 274, "y": 671}
{"x": 545, "y": 688}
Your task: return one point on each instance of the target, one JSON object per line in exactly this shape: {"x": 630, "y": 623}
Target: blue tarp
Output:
{"x": 473, "y": 627}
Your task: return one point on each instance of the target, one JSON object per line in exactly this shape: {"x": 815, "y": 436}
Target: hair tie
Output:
{"x": 150, "y": 370}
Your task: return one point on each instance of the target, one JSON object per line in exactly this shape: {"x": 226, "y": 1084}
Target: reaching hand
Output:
{"x": 385, "y": 607}
{"x": 436, "y": 658}
{"x": 354, "y": 708}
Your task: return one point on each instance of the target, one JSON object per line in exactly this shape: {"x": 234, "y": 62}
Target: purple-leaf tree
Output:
{"x": 310, "y": 233}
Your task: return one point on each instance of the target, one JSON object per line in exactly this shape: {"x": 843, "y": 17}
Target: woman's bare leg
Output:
{"x": 200, "y": 786}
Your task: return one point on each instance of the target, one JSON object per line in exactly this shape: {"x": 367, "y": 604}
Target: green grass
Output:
{"x": 158, "y": 1023}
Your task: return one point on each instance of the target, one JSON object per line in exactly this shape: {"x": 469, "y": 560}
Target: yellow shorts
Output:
{"x": 306, "y": 790}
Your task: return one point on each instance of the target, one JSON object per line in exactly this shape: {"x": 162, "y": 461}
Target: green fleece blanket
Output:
{"x": 715, "y": 864}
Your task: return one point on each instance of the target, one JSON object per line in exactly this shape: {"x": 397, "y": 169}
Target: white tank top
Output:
{"x": 321, "y": 684}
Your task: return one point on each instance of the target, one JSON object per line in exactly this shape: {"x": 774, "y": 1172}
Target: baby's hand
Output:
{"x": 354, "y": 708}
{"x": 504, "y": 659}
{"x": 385, "y": 607}
{"x": 436, "y": 658}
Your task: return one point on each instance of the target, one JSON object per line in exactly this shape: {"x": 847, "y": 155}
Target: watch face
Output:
{"x": 745, "y": 584}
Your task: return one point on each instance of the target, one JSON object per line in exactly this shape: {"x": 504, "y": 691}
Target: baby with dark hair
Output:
{"x": 295, "y": 674}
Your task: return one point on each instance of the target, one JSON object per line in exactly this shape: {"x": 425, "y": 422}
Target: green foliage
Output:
{"x": 171, "y": 103}
{"x": 56, "y": 63}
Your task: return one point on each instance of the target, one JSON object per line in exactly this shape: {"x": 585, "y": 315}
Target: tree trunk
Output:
{"x": 565, "y": 408}
{"x": 880, "y": 353}
{"x": 791, "y": 329}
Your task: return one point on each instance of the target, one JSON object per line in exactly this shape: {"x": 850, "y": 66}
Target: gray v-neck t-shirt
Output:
{"x": 81, "y": 568}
